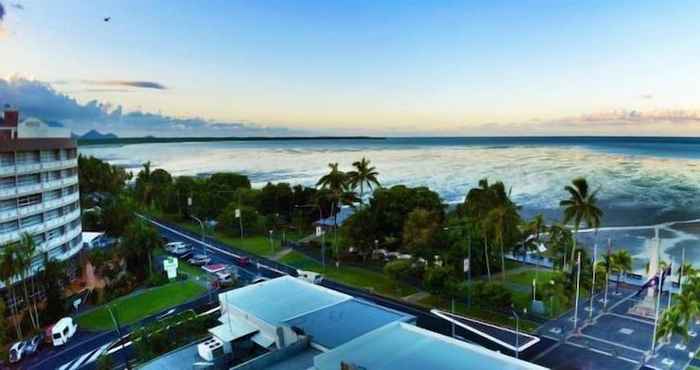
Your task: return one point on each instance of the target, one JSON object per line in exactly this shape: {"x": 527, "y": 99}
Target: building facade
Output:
{"x": 39, "y": 191}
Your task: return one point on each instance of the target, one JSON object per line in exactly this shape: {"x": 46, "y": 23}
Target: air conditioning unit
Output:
{"x": 211, "y": 349}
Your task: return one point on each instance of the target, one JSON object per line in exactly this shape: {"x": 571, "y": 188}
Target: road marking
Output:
{"x": 85, "y": 359}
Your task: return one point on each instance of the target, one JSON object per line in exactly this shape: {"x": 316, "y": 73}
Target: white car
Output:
{"x": 173, "y": 245}
{"x": 224, "y": 278}
{"x": 16, "y": 351}
{"x": 63, "y": 330}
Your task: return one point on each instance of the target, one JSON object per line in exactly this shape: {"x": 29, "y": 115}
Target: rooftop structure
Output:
{"x": 408, "y": 347}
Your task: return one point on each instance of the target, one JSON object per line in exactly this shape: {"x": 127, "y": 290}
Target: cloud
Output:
{"x": 139, "y": 84}
{"x": 40, "y": 99}
{"x": 2, "y": 12}
{"x": 17, "y": 6}
{"x": 647, "y": 96}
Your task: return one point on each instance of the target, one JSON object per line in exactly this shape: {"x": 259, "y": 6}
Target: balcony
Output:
{"x": 6, "y": 237}
{"x": 34, "y": 229}
{"x": 8, "y": 215}
{"x": 59, "y": 164}
{"x": 29, "y": 189}
{"x": 70, "y": 180}
{"x": 28, "y": 167}
{"x": 7, "y": 170}
{"x": 65, "y": 238}
{"x": 52, "y": 184}
{"x": 8, "y": 192}
{"x": 28, "y": 210}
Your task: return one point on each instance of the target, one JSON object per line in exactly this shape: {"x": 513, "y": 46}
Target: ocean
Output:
{"x": 642, "y": 181}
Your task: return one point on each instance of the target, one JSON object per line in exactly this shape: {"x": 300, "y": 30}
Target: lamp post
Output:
{"x": 204, "y": 246}
{"x": 517, "y": 332}
{"x": 119, "y": 334}
{"x": 272, "y": 245}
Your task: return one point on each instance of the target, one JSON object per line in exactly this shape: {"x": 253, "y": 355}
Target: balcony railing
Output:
{"x": 8, "y": 215}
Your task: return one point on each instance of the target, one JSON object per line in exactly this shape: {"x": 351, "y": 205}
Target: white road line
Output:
{"x": 98, "y": 353}
{"x": 77, "y": 363}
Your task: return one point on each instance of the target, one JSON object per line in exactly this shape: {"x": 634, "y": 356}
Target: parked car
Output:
{"x": 243, "y": 261}
{"x": 199, "y": 260}
{"x": 181, "y": 251}
{"x": 16, "y": 351}
{"x": 63, "y": 330}
{"x": 169, "y": 247}
{"x": 224, "y": 278}
{"x": 34, "y": 344}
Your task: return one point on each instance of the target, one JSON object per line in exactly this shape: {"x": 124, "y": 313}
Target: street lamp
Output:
{"x": 204, "y": 246}
{"x": 272, "y": 245}
{"x": 517, "y": 332}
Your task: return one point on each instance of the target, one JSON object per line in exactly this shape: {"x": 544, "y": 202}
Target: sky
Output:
{"x": 394, "y": 68}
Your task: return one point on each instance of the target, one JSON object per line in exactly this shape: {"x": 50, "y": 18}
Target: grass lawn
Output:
{"x": 351, "y": 275}
{"x": 525, "y": 277}
{"x": 134, "y": 307}
{"x": 478, "y": 313}
{"x": 259, "y": 245}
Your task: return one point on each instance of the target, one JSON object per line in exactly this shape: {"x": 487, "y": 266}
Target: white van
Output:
{"x": 63, "y": 330}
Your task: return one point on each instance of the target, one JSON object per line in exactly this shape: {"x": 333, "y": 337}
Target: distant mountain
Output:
{"x": 94, "y": 135}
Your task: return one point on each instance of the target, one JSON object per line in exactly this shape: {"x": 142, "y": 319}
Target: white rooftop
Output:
{"x": 407, "y": 347}
{"x": 277, "y": 300}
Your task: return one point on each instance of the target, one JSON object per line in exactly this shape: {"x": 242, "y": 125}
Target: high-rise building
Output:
{"x": 39, "y": 186}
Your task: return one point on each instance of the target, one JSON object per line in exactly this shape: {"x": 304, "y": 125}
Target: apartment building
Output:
{"x": 39, "y": 186}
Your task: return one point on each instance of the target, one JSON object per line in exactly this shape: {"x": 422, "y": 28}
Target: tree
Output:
{"x": 53, "y": 278}
{"x": 8, "y": 272}
{"x": 503, "y": 220}
{"x": 97, "y": 176}
{"x": 363, "y": 174}
{"x": 621, "y": 261}
{"x": 25, "y": 257}
{"x": 144, "y": 186}
{"x": 421, "y": 232}
{"x": 581, "y": 206}
{"x": 672, "y": 323}
{"x": 137, "y": 244}
{"x": 436, "y": 278}
{"x": 119, "y": 211}
{"x": 361, "y": 232}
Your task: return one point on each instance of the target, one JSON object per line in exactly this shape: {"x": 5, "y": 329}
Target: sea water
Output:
{"x": 640, "y": 181}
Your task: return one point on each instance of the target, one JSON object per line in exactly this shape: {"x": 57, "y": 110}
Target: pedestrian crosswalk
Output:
{"x": 85, "y": 358}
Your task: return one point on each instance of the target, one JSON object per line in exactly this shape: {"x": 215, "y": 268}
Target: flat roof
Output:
{"x": 333, "y": 326}
{"x": 278, "y": 300}
{"x": 407, "y": 347}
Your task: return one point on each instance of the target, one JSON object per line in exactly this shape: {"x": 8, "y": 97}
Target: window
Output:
{"x": 7, "y": 182}
{"x": 8, "y": 205}
{"x": 55, "y": 233}
{"x": 32, "y": 179}
{"x": 29, "y": 200}
{"x": 27, "y": 157}
{"x": 53, "y": 194}
{"x": 54, "y": 213}
{"x": 10, "y": 226}
{"x": 7, "y": 159}
{"x": 54, "y": 175}
{"x": 31, "y": 220}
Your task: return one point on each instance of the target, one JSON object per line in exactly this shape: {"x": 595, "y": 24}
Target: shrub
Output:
{"x": 493, "y": 295}
{"x": 435, "y": 278}
{"x": 398, "y": 269}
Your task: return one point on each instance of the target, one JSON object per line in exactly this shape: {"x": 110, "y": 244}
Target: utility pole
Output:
{"x": 595, "y": 260}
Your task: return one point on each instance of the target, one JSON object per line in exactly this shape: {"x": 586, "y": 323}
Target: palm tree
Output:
{"x": 672, "y": 323}
{"x": 580, "y": 207}
{"x": 8, "y": 271}
{"x": 503, "y": 219}
{"x": 143, "y": 182}
{"x": 27, "y": 250}
{"x": 362, "y": 175}
{"x": 336, "y": 182}
{"x": 688, "y": 307}
{"x": 621, "y": 261}
{"x": 23, "y": 259}
{"x": 686, "y": 270}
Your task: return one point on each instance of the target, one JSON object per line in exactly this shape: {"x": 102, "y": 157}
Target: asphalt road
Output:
{"x": 84, "y": 344}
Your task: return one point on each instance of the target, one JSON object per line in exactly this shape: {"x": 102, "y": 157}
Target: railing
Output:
{"x": 8, "y": 192}
{"x": 8, "y": 237}
{"x": 31, "y": 188}
{"x": 28, "y": 210}
{"x": 8, "y": 215}
{"x": 30, "y": 167}
{"x": 7, "y": 170}
{"x": 65, "y": 238}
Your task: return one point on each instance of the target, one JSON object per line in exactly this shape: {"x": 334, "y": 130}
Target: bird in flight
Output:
{"x": 107, "y": 19}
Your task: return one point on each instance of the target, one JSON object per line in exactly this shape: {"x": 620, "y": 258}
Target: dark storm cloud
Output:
{"x": 138, "y": 84}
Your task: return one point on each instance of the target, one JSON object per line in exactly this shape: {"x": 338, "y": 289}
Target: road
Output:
{"x": 83, "y": 349}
